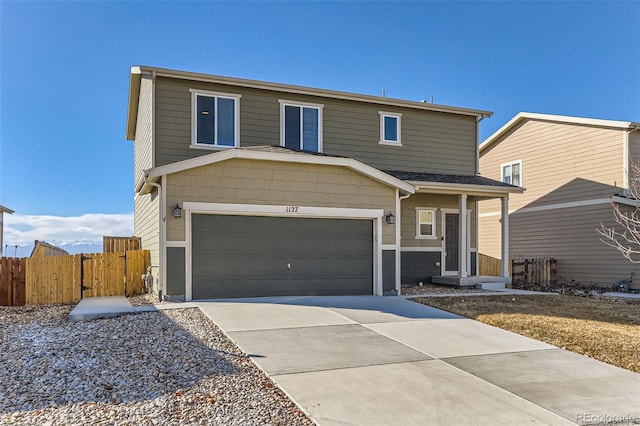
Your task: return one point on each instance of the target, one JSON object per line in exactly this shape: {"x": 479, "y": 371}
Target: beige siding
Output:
{"x": 489, "y": 235}
{"x": 269, "y": 183}
{"x": 431, "y": 141}
{"x": 435, "y": 201}
{"x": 634, "y": 152}
{"x": 146, "y": 225}
{"x": 561, "y": 163}
{"x": 142, "y": 151}
{"x": 570, "y": 236}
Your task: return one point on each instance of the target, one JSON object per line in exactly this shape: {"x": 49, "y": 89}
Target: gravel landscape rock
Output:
{"x": 168, "y": 367}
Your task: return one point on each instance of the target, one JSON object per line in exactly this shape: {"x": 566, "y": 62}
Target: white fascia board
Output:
{"x": 460, "y": 188}
{"x": 310, "y": 91}
{"x": 623, "y": 125}
{"x": 217, "y": 157}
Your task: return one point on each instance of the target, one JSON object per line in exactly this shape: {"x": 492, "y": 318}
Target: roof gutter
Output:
{"x": 466, "y": 188}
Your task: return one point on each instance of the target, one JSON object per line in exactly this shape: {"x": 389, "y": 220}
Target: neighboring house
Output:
{"x": 3, "y": 210}
{"x": 43, "y": 249}
{"x": 249, "y": 188}
{"x": 570, "y": 167}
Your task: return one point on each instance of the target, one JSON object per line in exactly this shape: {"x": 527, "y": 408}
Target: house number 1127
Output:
{"x": 292, "y": 209}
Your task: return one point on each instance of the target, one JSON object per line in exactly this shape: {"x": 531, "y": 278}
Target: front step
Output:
{"x": 493, "y": 286}
{"x": 470, "y": 282}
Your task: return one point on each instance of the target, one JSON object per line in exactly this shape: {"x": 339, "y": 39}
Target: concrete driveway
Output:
{"x": 389, "y": 361}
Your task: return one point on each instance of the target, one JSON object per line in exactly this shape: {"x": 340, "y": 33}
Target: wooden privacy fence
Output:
{"x": 490, "y": 266}
{"x": 12, "y": 281}
{"x": 539, "y": 271}
{"x": 120, "y": 244}
{"x": 49, "y": 280}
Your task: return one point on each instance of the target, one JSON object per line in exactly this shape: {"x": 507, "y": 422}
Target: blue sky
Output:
{"x": 64, "y": 73}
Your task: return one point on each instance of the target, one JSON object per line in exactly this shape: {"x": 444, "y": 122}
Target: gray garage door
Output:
{"x": 248, "y": 256}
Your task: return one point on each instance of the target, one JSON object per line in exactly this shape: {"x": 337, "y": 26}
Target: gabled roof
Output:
{"x": 50, "y": 249}
{"x": 4, "y": 209}
{"x": 272, "y": 153}
{"x": 137, "y": 71}
{"x": 524, "y": 116}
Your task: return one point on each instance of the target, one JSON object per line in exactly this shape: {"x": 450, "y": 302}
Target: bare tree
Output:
{"x": 625, "y": 237}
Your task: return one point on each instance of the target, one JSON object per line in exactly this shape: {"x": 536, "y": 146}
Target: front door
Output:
{"x": 451, "y": 242}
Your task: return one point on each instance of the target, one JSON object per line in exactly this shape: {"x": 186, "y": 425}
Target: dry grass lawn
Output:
{"x": 599, "y": 328}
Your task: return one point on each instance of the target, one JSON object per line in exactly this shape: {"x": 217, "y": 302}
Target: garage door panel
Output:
{"x": 266, "y": 287}
{"x": 247, "y": 256}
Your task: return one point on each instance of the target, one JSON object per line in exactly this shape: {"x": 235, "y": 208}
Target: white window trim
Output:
{"x": 511, "y": 163}
{"x": 194, "y": 108}
{"x": 384, "y": 141}
{"x": 433, "y": 228}
{"x": 319, "y": 107}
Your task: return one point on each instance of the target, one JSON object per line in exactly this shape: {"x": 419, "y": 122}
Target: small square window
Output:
{"x": 512, "y": 173}
{"x": 426, "y": 223}
{"x": 390, "y": 128}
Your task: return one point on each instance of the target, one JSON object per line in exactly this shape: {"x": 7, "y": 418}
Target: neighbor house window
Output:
{"x": 390, "y": 128}
{"x": 301, "y": 126}
{"x": 425, "y": 223}
{"x": 512, "y": 173}
{"x": 214, "y": 119}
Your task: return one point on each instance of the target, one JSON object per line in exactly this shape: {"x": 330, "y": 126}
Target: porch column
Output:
{"x": 462, "y": 257}
{"x": 505, "y": 236}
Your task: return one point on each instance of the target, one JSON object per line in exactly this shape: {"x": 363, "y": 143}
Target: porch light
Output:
{"x": 177, "y": 211}
{"x": 391, "y": 219}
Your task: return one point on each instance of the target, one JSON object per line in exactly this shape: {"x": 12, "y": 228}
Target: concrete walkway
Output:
{"x": 389, "y": 361}
{"x": 114, "y": 306}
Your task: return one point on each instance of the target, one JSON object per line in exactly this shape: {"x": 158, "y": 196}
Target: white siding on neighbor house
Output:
{"x": 570, "y": 236}
{"x": 561, "y": 163}
{"x": 146, "y": 225}
{"x": 142, "y": 148}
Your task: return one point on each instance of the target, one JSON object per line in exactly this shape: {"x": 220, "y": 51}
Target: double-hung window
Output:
{"x": 512, "y": 173}
{"x": 214, "y": 119}
{"x": 390, "y": 128}
{"x": 425, "y": 223}
{"x": 301, "y": 126}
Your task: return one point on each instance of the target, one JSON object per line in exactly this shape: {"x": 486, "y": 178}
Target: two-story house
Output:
{"x": 571, "y": 166}
{"x": 249, "y": 188}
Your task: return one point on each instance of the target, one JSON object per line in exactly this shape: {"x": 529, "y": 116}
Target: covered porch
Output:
{"x": 450, "y": 202}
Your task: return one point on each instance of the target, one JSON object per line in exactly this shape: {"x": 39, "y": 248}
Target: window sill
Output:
{"x": 426, "y": 237}
{"x": 211, "y": 147}
{"x": 390, "y": 143}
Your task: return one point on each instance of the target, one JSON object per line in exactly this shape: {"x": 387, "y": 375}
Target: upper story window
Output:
{"x": 301, "y": 126}
{"x": 214, "y": 121}
{"x": 425, "y": 223}
{"x": 390, "y": 128}
{"x": 512, "y": 173}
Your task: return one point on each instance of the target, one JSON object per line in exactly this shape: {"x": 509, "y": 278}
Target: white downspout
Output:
{"x": 399, "y": 242}
{"x": 161, "y": 247}
{"x": 478, "y": 120}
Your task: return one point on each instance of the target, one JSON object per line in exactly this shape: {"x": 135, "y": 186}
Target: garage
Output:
{"x": 252, "y": 256}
